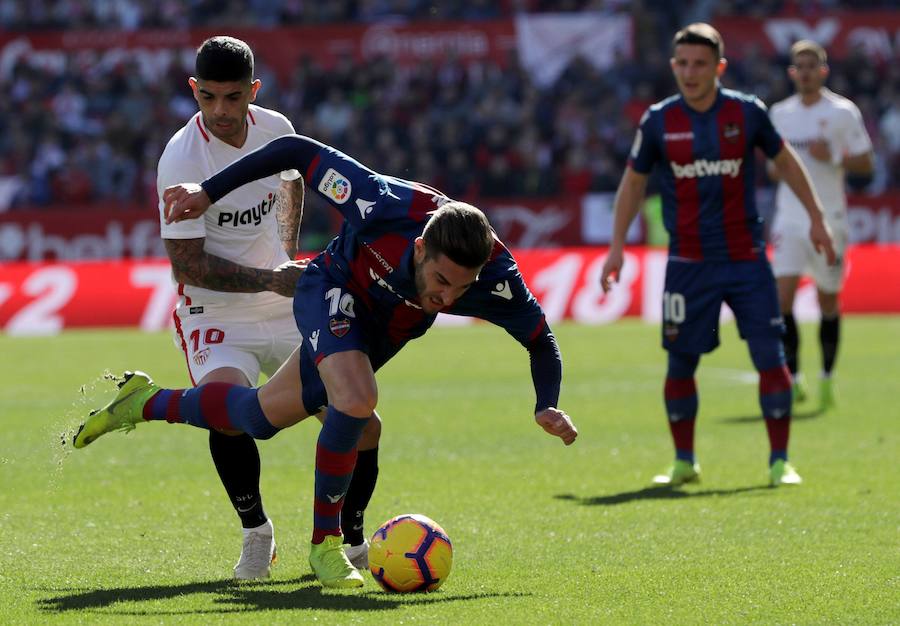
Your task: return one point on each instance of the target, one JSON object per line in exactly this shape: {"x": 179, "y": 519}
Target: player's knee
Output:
{"x": 767, "y": 353}
{"x": 682, "y": 365}
{"x": 371, "y": 435}
{"x": 828, "y": 304}
{"x": 360, "y": 404}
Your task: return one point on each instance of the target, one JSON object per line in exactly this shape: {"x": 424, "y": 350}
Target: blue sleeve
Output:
{"x": 351, "y": 188}
{"x": 359, "y": 193}
{"x": 645, "y": 151}
{"x": 501, "y": 297}
{"x": 285, "y": 153}
{"x": 546, "y": 369}
{"x": 766, "y": 137}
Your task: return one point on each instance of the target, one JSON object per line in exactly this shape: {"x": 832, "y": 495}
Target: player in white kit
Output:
{"x": 234, "y": 270}
{"x": 827, "y": 132}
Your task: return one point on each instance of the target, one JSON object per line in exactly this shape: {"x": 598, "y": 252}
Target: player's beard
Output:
{"x": 419, "y": 280}
{"x": 233, "y": 129}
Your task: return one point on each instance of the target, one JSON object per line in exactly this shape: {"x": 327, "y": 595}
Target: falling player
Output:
{"x": 405, "y": 253}
{"x": 236, "y": 278}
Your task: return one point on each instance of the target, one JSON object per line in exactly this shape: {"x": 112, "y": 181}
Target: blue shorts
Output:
{"x": 693, "y": 298}
{"x": 333, "y": 319}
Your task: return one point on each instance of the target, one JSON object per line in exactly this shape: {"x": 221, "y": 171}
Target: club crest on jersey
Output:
{"x": 731, "y": 131}
{"x": 335, "y": 186}
{"x": 339, "y": 327}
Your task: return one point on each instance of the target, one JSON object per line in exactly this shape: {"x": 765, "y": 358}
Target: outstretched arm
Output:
{"x": 546, "y": 373}
{"x": 189, "y": 201}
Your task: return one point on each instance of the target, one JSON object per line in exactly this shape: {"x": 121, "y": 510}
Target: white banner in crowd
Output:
{"x": 547, "y": 43}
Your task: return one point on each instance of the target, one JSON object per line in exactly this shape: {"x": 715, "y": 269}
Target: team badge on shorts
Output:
{"x": 670, "y": 330}
{"x": 339, "y": 327}
{"x": 201, "y": 357}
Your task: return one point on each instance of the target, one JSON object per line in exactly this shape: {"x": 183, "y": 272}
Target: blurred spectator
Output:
{"x": 92, "y": 129}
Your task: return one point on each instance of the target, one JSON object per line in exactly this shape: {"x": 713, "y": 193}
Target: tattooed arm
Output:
{"x": 290, "y": 213}
{"x": 192, "y": 265}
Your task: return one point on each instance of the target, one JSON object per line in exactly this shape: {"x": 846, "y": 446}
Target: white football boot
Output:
{"x": 358, "y": 555}
{"x": 257, "y": 554}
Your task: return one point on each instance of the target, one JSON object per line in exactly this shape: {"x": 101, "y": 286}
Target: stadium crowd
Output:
{"x": 88, "y": 134}
{"x": 138, "y": 14}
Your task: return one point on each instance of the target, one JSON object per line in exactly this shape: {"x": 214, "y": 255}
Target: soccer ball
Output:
{"x": 410, "y": 553}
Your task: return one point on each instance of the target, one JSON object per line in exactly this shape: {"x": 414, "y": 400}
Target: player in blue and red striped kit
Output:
{"x": 405, "y": 252}
{"x": 703, "y": 142}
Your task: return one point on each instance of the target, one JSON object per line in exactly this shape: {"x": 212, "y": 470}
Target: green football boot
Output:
{"x": 799, "y": 389}
{"x": 331, "y": 566}
{"x": 783, "y": 473}
{"x": 124, "y": 412}
{"x": 826, "y": 394}
{"x": 680, "y": 473}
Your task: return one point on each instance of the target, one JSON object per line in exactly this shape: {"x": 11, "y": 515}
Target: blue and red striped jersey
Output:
{"x": 707, "y": 173}
{"x": 372, "y": 256}
{"x": 373, "y": 253}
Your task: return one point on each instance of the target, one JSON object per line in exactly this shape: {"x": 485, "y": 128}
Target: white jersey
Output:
{"x": 836, "y": 120}
{"x": 242, "y": 226}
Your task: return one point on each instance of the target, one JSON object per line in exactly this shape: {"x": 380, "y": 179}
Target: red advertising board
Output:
{"x": 280, "y": 49}
{"x": 78, "y": 233}
{"x": 875, "y": 32}
{"x": 45, "y": 298}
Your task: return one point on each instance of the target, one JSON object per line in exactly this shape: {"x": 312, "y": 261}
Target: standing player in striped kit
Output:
{"x": 828, "y": 133}
{"x": 703, "y": 139}
{"x": 236, "y": 279}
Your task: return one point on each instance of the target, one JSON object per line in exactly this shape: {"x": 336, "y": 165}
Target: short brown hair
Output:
{"x": 807, "y": 46}
{"x": 703, "y": 34}
{"x": 460, "y": 232}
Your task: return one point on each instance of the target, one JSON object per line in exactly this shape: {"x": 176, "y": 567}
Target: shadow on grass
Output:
{"x": 234, "y": 597}
{"x": 661, "y": 492}
{"x": 802, "y": 415}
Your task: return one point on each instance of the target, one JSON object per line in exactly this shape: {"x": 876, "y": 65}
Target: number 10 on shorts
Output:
{"x": 210, "y": 337}
{"x": 673, "y": 307}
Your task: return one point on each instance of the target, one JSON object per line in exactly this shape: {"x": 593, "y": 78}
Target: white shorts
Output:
{"x": 794, "y": 256}
{"x": 253, "y": 343}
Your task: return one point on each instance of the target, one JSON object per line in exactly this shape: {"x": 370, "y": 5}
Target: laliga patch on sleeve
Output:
{"x": 335, "y": 186}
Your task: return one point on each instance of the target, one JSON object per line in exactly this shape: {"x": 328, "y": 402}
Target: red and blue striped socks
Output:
{"x": 213, "y": 406}
{"x": 335, "y": 460}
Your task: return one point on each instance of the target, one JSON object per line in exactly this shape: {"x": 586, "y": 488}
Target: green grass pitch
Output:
{"x": 137, "y": 529}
